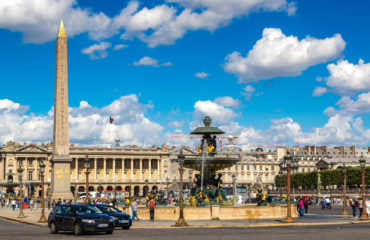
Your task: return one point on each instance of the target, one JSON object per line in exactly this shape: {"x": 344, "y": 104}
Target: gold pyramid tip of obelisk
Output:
{"x": 62, "y": 31}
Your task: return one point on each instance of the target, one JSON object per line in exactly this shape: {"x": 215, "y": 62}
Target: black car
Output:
{"x": 120, "y": 219}
{"x": 79, "y": 219}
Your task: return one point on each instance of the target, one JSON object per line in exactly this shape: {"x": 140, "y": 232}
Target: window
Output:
{"x": 272, "y": 168}
{"x": 309, "y": 170}
{"x": 260, "y": 168}
{"x": 30, "y": 162}
{"x": 30, "y": 175}
{"x": 39, "y": 176}
{"x": 242, "y": 167}
{"x": 255, "y": 168}
{"x": 248, "y": 167}
{"x": 302, "y": 169}
{"x": 236, "y": 167}
{"x": 20, "y": 161}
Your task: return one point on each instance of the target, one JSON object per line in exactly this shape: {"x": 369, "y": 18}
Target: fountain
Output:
{"x": 208, "y": 189}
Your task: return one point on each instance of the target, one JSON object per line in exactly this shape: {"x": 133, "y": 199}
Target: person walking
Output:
{"x": 306, "y": 203}
{"x": 301, "y": 207}
{"x": 353, "y": 206}
{"x": 360, "y": 207}
{"x": 134, "y": 209}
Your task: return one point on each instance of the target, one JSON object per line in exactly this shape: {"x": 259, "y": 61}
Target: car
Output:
{"x": 120, "y": 219}
{"x": 79, "y": 218}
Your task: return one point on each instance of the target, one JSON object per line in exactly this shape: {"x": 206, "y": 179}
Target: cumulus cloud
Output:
{"x": 347, "y": 78}
{"x": 148, "y": 61}
{"x": 349, "y": 106}
{"x": 162, "y": 24}
{"x": 228, "y": 101}
{"x": 97, "y": 51}
{"x": 219, "y": 114}
{"x": 85, "y": 121}
{"x": 278, "y": 55}
{"x": 201, "y": 75}
{"x": 319, "y": 91}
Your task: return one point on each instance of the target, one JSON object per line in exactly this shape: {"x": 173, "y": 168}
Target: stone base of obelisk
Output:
{"x": 61, "y": 178}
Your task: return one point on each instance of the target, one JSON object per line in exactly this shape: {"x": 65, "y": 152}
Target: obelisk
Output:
{"x": 61, "y": 161}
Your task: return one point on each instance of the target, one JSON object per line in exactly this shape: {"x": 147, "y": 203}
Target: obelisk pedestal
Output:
{"x": 61, "y": 161}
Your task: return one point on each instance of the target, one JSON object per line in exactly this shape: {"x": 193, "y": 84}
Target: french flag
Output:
{"x": 111, "y": 120}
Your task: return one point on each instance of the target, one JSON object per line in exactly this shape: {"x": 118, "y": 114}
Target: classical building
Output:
{"x": 310, "y": 157}
{"x": 132, "y": 168}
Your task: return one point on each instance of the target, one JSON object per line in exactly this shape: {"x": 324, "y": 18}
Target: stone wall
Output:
{"x": 215, "y": 212}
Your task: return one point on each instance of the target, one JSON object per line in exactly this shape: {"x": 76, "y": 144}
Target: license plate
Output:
{"x": 103, "y": 225}
{"x": 123, "y": 221}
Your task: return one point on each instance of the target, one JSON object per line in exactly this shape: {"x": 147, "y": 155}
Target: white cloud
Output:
{"x": 176, "y": 124}
{"x": 119, "y": 46}
{"x": 347, "y": 78}
{"x": 97, "y": 51}
{"x": 278, "y": 55}
{"x": 201, "y": 75}
{"x": 319, "y": 91}
{"x": 130, "y": 123}
{"x": 228, "y": 101}
{"x": 148, "y": 61}
{"x": 361, "y": 105}
{"x": 219, "y": 114}
{"x": 163, "y": 24}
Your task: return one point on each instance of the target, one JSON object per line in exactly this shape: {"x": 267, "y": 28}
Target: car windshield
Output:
{"x": 85, "y": 209}
{"x": 106, "y": 209}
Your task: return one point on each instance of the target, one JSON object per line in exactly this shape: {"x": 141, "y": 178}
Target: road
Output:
{"x": 13, "y": 231}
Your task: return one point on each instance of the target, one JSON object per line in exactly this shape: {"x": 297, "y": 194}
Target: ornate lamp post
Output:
{"x": 42, "y": 171}
{"x": 281, "y": 180}
{"x": 87, "y": 166}
{"x": 20, "y": 171}
{"x": 344, "y": 171}
{"x": 289, "y": 162}
{"x": 181, "y": 222}
{"x": 362, "y": 164}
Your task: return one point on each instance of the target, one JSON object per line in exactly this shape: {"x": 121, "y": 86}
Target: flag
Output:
{"x": 111, "y": 120}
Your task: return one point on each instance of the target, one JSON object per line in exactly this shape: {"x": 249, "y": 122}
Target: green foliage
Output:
{"x": 327, "y": 177}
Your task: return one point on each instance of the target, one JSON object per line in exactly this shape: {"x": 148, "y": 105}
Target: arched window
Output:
{"x": 81, "y": 189}
{"x": 109, "y": 188}
{"x": 137, "y": 191}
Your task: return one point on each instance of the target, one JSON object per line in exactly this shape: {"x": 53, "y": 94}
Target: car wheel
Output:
{"x": 109, "y": 232}
{"x": 77, "y": 230}
{"x": 126, "y": 228}
{"x": 53, "y": 228}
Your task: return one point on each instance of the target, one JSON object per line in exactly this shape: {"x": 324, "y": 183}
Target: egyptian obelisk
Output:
{"x": 61, "y": 161}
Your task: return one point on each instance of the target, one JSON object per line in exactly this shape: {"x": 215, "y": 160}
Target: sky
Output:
{"x": 271, "y": 72}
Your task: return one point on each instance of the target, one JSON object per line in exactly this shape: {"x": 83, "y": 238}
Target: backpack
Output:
{"x": 151, "y": 204}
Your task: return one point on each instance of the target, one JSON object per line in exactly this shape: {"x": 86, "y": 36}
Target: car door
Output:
{"x": 58, "y": 217}
{"x": 68, "y": 219}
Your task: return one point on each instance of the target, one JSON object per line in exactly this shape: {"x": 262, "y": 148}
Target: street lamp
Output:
{"x": 87, "y": 166}
{"x": 181, "y": 222}
{"x": 20, "y": 171}
{"x": 42, "y": 171}
{"x": 344, "y": 171}
{"x": 289, "y": 162}
{"x": 362, "y": 164}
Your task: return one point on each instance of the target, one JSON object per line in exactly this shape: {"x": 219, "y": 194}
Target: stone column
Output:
{"x": 158, "y": 169}
{"x": 105, "y": 169}
{"x": 61, "y": 161}
{"x": 95, "y": 169}
{"x": 114, "y": 169}
{"x": 123, "y": 169}
{"x": 141, "y": 169}
{"x": 132, "y": 169}
{"x": 150, "y": 169}
{"x": 76, "y": 164}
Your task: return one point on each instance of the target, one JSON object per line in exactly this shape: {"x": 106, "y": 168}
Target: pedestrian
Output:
{"x": 352, "y": 203}
{"x": 134, "y": 210}
{"x": 360, "y": 207}
{"x": 301, "y": 207}
{"x": 151, "y": 209}
{"x": 305, "y": 203}
{"x": 13, "y": 204}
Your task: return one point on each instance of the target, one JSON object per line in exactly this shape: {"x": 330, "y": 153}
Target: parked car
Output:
{"x": 120, "y": 219}
{"x": 79, "y": 219}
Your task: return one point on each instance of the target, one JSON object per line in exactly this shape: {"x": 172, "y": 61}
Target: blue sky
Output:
{"x": 143, "y": 70}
